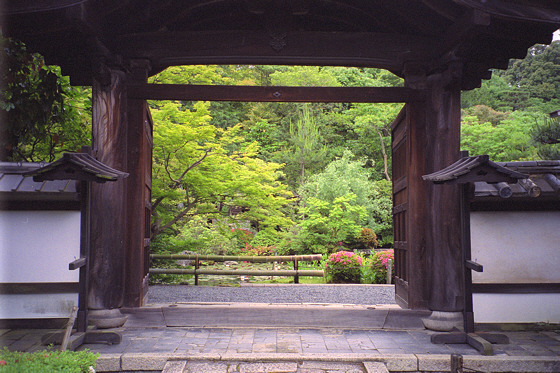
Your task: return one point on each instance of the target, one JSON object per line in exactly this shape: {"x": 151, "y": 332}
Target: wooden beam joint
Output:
{"x": 273, "y": 94}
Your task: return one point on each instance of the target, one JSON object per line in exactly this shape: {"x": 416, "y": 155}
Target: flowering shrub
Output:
{"x": 343, "y": 267}
{"x": 243, "y": 237}
{"x": 260, "y": 251}
{"x": 375, "y": 267}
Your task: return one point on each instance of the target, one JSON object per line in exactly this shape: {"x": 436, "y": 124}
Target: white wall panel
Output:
{"x": 36, "y": 246}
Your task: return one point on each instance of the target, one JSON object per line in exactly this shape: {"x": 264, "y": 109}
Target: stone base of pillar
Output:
{"x": 106, "y": 319}
{"x": 444, "y": 321}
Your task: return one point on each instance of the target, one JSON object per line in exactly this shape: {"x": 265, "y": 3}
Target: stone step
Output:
{"x": 208, "y": 366}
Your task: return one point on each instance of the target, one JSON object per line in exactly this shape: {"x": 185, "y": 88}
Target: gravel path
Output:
{"x": 343, "y": 294}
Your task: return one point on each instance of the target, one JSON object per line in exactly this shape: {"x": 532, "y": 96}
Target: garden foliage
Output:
{"x": 47, "y": 361}
{"x": 343, "y": 267}
{"x": 374, "y": 270}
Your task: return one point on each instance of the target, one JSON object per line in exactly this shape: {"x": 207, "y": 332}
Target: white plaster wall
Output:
{"x": 36, "y": 246}
{"x": 516, "y": 308}
{"x": 516, "y": 247}
{"x": 37, "y": 306}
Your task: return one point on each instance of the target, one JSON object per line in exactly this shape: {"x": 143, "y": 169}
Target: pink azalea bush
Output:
{"x": 384, "y": 256}
{"x": 375, "y": 269}
{"x": 343, "y": 267}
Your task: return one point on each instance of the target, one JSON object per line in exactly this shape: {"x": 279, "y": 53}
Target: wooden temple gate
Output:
{"x": 439, "y": 47}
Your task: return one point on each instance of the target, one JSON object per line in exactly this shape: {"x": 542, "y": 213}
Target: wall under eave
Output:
{"x": 35, "y": 248}
{"x": 516, "y": 248}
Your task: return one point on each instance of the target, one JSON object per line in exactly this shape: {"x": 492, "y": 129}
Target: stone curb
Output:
{"x": 139, "y": 362}
{"x": 495, "y": 364}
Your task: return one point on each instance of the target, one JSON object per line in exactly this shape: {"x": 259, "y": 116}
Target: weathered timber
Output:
{"x": 235, "y": 272}
{"x": 519, "y": 288}
{"x": 383, "y": 50}
{"x": 108, "y": 205}
{"x": 273, "y": 94}
{"x": 400, "y": 182}
{"x": 254, "y": 259}
{"x": 442, "y": 221}
{"x": 138, "y": 189}
{"x": 77, "y": 264}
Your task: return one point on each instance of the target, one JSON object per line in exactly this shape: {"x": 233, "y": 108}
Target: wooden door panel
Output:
{"x": 400, "y": 206}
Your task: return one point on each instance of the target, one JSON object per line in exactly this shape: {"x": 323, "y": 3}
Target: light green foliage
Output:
{"x": 509, "y": 140}
{"x": 327, "y": 225}
{"x": 308, "y": 76}
{"x": 200, "y": 169}
{"x": 191, "y": 74}
{"x": 347, "y": 176}
{"x": 46, "y": 361}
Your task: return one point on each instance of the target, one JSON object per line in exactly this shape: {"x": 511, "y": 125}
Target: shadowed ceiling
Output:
{"x": 482, "y": 34}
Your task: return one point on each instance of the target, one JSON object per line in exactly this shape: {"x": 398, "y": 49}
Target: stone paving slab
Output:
{"x": 148, "y": 343}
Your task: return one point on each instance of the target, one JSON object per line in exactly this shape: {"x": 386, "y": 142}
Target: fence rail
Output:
{"x": 224, "y": 258}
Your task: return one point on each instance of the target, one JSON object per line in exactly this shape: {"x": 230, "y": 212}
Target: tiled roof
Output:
{"x": 526, "y": 179}
{"x": 12, "y": 179}
{"x": 473, "y": 169}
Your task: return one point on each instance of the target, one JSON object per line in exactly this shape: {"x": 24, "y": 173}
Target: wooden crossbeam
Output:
{"x": 273, "y": 94}
{"x": 382, "y": 50}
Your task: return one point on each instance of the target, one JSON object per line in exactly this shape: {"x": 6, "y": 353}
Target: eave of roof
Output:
{"x": 77, "y": 166}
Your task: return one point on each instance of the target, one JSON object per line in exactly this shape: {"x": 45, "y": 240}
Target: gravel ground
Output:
{"x": 343, "y": 294}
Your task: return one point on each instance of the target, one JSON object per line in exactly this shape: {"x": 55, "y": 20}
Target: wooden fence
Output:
{"x": 196, "y": 271}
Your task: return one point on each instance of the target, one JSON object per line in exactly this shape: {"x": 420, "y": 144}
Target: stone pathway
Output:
{"x": 221, "y": 338}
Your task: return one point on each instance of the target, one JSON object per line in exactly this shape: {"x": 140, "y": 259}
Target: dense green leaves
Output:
{"x": 319, "y": 171}
{"x": 507, "y": 118}
{"x": 41, "y": 115}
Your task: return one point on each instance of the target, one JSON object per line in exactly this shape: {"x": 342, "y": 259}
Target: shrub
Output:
{"x": 366, "y": 240}
{"x": 343, "y": 267}
{"x": 47, "y": 361}
{"x": 243, "y": 238}
{"x": 375, "y": 267}
{"x": 260, "y": 251}
{"x": 326, "y": 224}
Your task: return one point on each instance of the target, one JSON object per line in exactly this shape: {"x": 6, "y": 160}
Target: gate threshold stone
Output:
{"x": 290, "y": 315}
{"x": 274, "y": 315}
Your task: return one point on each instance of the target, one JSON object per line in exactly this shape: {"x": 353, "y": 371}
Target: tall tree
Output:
{"x": 41, "y": 115}
{"x": 203, "y": 170}
{"x": 308, "y": 148}
{"x": 547, "y": 138}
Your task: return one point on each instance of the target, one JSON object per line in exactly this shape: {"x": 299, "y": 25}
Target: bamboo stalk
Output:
{"x": 170, "y": 271}
{"x": 254, "y": 259}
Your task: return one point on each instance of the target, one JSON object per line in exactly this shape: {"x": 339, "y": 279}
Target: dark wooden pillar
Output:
{"x": 443, "y": 218}
{"x": 433, "y": 225}
{"x": 138, "y": 187}
{"x": 108, "y": 225}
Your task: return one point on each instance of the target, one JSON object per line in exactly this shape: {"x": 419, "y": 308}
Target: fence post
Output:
{"x": 296, "y": 277}
{"x": 389, "y": 271}
{"x": 196, "y": 265}
{"x": 456, "y": 363}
